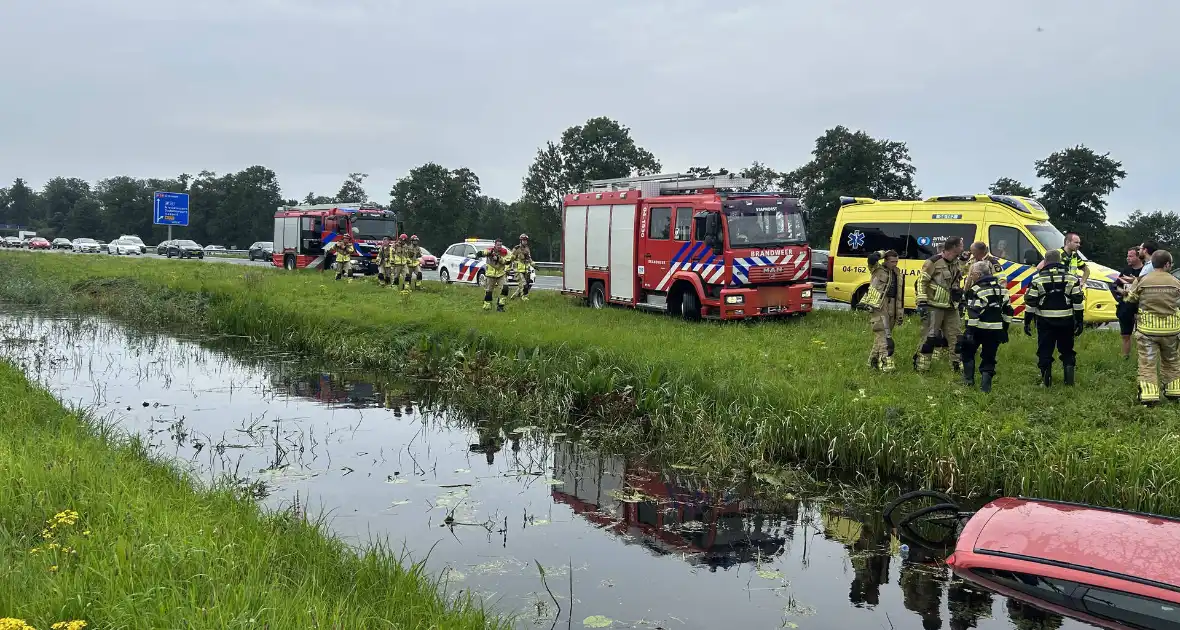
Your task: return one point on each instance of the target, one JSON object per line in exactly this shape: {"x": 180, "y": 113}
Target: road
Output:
{"x": 543, "y": 283}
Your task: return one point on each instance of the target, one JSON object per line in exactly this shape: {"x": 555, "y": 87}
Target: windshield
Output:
{"x": 133, "y": 239}
{"x": 185, "y": 243}
{"x": 1050, "y": 237}
{"x": 86, "y": 241}
{"x": 764, "y": 225}
{"x": 375, "y": 229}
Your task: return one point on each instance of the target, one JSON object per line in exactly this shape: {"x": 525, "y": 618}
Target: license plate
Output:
{"x": 775, "y": 309}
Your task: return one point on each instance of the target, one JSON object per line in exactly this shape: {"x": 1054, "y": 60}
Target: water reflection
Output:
{"x": 648, "y": 548}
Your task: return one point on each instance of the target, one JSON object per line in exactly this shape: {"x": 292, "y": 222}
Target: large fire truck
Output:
{"x": 302, "y": 233}
{"x": 689, "y": 246}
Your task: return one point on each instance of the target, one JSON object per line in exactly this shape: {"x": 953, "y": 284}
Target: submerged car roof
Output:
{"x": 1113, "y": 542}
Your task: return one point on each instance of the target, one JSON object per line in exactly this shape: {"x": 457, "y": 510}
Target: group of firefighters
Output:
{"x": 398, "y": 265}
{"x": 965, "y": 309}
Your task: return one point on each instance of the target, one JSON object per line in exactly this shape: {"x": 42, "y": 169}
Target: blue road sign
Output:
{"x": 170, "y": 208}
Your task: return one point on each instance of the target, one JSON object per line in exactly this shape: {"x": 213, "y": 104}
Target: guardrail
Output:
{"x": 547, "y": 265}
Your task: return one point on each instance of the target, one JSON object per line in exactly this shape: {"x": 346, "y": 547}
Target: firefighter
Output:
{"x": 1071, "y": 258}
{"x": 1156, "y": 298}
{"x": 342, "y": 248}
{"x": 885, "y": 300}
{"x": 399, "y": 260}
{"x": 385, "y": 262}
{"x": 498, "y": 259}
{"x": 413, "y": 262}
{"x": 1054, "y": 300}
{"x": 989, "y": 314}
{"x": 979, "y": 253}
{"x": 522, "y": 260}
{"x": 941, "y": 278}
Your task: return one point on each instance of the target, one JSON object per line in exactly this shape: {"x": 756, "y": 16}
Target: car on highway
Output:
{"x": 38, "y": 242}
{"x": 134, "y": 240}
{"x": 12, "y": 241}
{"x": 86, "y": 246}
{"x": 262, "y": 250}
{"x": 819, "y": 266}
{"x": 212, "y": 249}
{"x": 162, "y": 248}
{"x": 182, "y": 248}
{"x": 124, "y": 247}
{"x": 427, "y": 260}
{"x": 62, "y": 243}
{"x": 460, "y": 264}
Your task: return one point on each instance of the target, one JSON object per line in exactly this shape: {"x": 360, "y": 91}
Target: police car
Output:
{"x": 460, "y": 264}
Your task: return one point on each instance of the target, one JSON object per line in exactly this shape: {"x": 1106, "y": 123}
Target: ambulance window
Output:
{"x": 1010, "y": 244}
{"x": 683, "y": 224}
{"x": 926, "y": 239}
{"x": 858, "y": 239}
{"x": 660, "y": 224}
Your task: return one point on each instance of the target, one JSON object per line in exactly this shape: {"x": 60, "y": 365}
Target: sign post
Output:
{"x": 170, "y": 209}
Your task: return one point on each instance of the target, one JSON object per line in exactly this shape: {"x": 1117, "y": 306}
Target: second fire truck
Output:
{"x": 302, "y": 233}
{"x": 689, "y": 246}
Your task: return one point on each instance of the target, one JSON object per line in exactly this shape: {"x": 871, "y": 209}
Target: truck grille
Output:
{"x": 776, "y": 273}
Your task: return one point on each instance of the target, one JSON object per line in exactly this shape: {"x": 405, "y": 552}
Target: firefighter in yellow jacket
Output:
{"x": 342, "y": 249}
{"x": 497, "y": 259}
{"x": 385, "y": 262}
{"x": 413, "y": 261}
{"x": 1157, "y": 329}
{"x": 399, "y": 260}
{"x": 885, "y": 300}
{"x": 941, "y": 278}
{"x": 522, "y": 260}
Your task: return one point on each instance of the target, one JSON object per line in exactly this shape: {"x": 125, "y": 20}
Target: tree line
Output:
{"x": 444, "y": 205}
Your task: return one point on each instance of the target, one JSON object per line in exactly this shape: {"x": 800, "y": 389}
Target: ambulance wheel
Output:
{"x": 597, "y": 296}
{"x": 444, "y": 275}
{"x": 289, "y": 263}
{"x": 857, "y": 296}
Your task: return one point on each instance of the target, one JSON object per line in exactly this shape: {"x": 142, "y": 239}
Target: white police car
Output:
{"x": 460, "y": 264}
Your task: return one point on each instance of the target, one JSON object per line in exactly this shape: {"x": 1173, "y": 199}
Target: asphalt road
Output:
{"x": 543, "y": 283}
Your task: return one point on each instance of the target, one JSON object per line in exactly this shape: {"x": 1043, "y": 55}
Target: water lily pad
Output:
{"x": 597, "y": 621}
{"x": 770, "y": 575}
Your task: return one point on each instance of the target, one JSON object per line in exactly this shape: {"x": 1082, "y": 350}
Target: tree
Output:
{"x": 22, "y": 203}
{"x": 1077, "y": 181}
{"x": 353, "y": 189}
{"x": 847, "y": 163}
{"x": 705, "y": 171}
{"x": 312, "y": 199}
{"x": 438, "y": 204}
{"x": 58, "y": 198}
{"x": 84, "y": 219}
{"x": 765, "y": 178}
{"x": 599, "y": 149}
{"x": 1159, "y": 226}
{"x": 126, "y": 206}
{"x": 1009, "y": 186}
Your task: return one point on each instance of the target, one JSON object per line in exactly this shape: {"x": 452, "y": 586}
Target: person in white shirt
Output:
{"x": 1145, "y": 251}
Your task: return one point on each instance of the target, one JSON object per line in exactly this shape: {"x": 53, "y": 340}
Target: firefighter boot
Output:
{"x": 969, "y": 372}
{"x": 1149, "y": 393}
{"x": 1046, "y": 377}
{"x": 985, "y": 382}
{"x": 887, "y": 364}
{"x": 500, "y": 305}
{"x": 874, "y": 362}
{"x": 922, "y": 364}
{"x": 1173, "y": 390}
{"x": 1069, "y": 375}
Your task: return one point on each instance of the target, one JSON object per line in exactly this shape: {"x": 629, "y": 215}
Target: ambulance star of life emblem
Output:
{"x": 856, "y": 240}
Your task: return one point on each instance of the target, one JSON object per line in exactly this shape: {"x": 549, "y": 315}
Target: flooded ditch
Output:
{"x": 535, "y": 525}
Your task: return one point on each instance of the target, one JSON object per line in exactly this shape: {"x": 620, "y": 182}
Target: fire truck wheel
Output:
{"x": 597, "y": 296}
{"x": 690, "y": 305}
{"x": 289, "y": 263}
{"x": 444, "y": 275}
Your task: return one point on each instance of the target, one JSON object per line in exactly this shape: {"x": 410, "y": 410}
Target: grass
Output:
{"x": 145, "y": 547}
{"x": 713, "y": 395}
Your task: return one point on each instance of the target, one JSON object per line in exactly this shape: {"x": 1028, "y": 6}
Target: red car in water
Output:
{"x": 38, "y": 243}
{"x": 1111, "y": 568}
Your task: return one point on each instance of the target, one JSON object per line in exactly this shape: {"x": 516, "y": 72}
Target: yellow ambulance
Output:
{"x": 1016, "y": 229}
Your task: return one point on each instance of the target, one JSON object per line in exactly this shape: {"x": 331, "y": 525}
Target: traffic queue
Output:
{"x": 399, "y": 266}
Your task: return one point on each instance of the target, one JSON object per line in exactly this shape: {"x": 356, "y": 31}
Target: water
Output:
{"x": 647, "y": 548}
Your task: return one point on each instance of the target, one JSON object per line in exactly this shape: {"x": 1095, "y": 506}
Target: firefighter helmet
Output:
{"x": 402, "y": 237}
{"x": 414, "y": 237}
{"x": 524, "y": 238}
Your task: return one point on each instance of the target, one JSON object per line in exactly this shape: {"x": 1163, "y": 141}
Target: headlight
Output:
{"x": 1098, "y": 284}
{"x": 735, "y": 299}
{"x": 805, "y": 294}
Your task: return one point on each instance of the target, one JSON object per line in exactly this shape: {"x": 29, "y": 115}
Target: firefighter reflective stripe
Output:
{"x": 872, "y": 298}
{"x": 1072, "y": 262}
{"x": 1158, "y": 325}
{"x": 1055, "y": 294}
{"x": 989, "y": 306}
{"x": 940, "y": 297}
{"x": 1148, "y": 392}
{"x": 1173, "y": 389}
{"x": 920, "y": 288}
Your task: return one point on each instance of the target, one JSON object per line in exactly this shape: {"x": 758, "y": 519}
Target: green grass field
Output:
{"x": 708, "y": 394}
{"x": 92, "y": 530}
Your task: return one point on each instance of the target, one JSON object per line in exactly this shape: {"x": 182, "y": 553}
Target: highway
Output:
{"x": 543, "y": 283}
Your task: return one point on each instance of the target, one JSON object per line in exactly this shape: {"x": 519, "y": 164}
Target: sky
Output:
{"x": 316, "y": 89}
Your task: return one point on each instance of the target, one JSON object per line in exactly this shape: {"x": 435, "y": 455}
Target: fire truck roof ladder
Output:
{"x": 670, "y": 183}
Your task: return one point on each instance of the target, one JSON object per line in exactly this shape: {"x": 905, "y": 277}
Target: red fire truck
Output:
{"x": 303, "y": 232}
{"x": 689, "y": 246}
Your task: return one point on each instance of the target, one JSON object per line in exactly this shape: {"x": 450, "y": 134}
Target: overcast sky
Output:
{"x": 315, "y": 89}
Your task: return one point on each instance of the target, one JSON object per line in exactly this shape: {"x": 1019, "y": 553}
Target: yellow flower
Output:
{"x": 86, "y": 533}
{"x": 8, "y": 623}
{"x": 77, "y": 624}
{"x": 53, "y": 569}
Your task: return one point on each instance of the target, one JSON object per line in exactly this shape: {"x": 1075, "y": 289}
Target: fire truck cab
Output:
{"x": 303, "y": 233}
{"x": 692, "y": 247}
